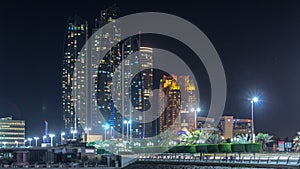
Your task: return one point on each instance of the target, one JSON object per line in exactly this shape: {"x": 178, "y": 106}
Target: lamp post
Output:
{"x": 29, "y": 139}
{"x": 195, "y": 110}
{"x": 86, "y": 133}
{"x": 253, "y": 100}
{"x": 36, "y": 139}
{"x": 62, "y": 134}
{"x": 127, "y": 122}
{"x": 87, "y": 130}
{"x": 51, "y": 139}
{"x": 74, "y": 132}
{"x": 44, "y": 138}
{"x": 4, "y": 144}
{"x": 106, "y": 126}
{"x": 17, "y": 143}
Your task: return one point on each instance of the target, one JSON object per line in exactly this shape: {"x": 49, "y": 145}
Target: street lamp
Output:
{"x": 253, "y": 100}
{"x": 4, "y": 144}
{"x": 87, "y": 130}
{"x": 106, "y": 126}
{"x": 195, "y": 110}
{"x": 17, "y": 143}
{"x": 36, "y": 139}
{"x": 29, "y": 139}
{"x": 74, "y": 132}
{"x": 51, "y": 139}
{"x": 62, "y": 134}
{"x": 127, "y": 122}
{"x": 44, "y": 138}
{"x": 86, "y": 133}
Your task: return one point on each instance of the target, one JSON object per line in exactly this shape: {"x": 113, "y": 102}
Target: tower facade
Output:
{"x": 141, "y": 89}
{"x": 169, "y": 104}
{"x": 75, "y": 37}
{"x": 188, "y": 101}
{"x": 97, "y": 93}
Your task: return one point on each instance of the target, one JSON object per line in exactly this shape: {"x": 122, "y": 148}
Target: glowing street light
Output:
{"x": 74, "y": 132}
{"x": 51, "y": 139}
{"x": 36, "y": 139}
{"x": 44, "y": 138}
{"x": 106, "y": 126}
{"x": 195, "y": 110}
{"x": 62, "y": 134}
{"x": 253, "y": 100}
{"x": 29, "y": 139}
{"x": 17, "y": 143}
{"x": 87, "y": 130}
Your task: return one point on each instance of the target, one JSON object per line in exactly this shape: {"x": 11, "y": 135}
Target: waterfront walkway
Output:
{"x": 182, "y": 161}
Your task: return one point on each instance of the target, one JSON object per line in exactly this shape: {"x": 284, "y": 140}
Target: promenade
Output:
{"x": 181, "y": 161}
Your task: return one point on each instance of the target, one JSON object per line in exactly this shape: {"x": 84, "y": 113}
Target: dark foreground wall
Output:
{"x": 166, "y": 166}
{"x": 199, "y": 165}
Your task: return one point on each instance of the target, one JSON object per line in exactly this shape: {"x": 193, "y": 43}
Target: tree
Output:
{"x": 187, "y": 138}
{"x": 166, "y": 138}
{"x": 264, "y": 138}
{"x": 296, "y": 141}
{"x": 195, "y": 137}
{"x": 243, "y": 138}
{"x": 200, "y": 136}
{"x": 214, "y": 139}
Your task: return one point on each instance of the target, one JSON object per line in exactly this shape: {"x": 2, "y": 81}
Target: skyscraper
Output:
{"x": 106, "y": 71}
{"x": 104, "y": 92}
{"x": 119, "y": 91}
{"x": 170, "y": 102}
{"x": 141, "y": 89}
{"x": 188, "y": 101}
{"x": 75, "y": 38}
{"x": 131, "y": 91}
{"x": 100, "y": 42}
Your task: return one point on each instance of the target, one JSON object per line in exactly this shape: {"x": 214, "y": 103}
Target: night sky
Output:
{"x": 258, "y": 43}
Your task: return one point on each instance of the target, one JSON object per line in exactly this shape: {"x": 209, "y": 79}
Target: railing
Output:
{"x": 61, "y": 165}
{"x": 252, "y": 160}
{"x": 131, "y": 161}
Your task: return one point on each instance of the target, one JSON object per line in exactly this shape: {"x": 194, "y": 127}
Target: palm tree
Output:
{"x": 296, "y": 141}
{"x": 214, "y": 139}
{"x": 264, "y": 138}
{"x": 194, "y": 137}
{"x": 243, "y": 138}
{"x": 187, "y": 138}
{"x": 166, "y": 138}
{"x": 200, "y": 136}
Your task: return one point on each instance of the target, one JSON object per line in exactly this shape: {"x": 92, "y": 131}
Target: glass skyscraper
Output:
{"x": 169, "y": 105}
{"x": 107, "y": 92}
{"x": 75, "y": 37}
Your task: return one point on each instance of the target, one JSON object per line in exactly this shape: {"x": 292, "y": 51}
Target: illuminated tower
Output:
{"x": 141, "y": 90}
{"x": 75, "y": 38}
{"x": 169, "y": 104}
{"x": 107, "y": 85}
{"x": 188, "y": 101}
{"x": 106, "y": 71}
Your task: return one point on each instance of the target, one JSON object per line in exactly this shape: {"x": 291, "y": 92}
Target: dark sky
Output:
{"x": 258, "y": 42}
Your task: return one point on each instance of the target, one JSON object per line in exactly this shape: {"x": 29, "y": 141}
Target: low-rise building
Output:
{"x": 228, "y": 127}
{"x": 12, "y": 132}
